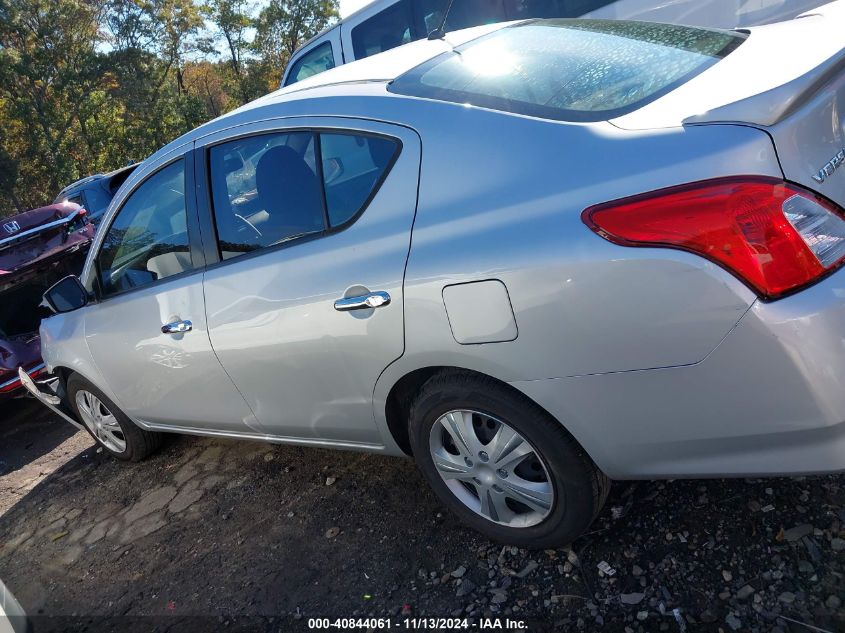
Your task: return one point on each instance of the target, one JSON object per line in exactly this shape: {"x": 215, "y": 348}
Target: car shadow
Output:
{"x": 28, "y": 430}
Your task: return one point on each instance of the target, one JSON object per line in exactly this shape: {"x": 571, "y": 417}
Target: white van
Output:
{"x": 385, "y": 24}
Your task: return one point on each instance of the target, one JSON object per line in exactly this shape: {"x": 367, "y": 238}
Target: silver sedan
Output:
{"x": 534, "y": 256}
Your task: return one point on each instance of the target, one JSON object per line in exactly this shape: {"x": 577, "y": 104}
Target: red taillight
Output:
{"x": 775, "y": 236}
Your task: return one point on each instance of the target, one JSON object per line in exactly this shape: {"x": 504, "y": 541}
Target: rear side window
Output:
{"x": 275, "y": 188}
{"x": 569, "y": 70}
{"x": 353, "y": 165}
{"x": 385, "y": 30}
{"x": 315, "y": 61}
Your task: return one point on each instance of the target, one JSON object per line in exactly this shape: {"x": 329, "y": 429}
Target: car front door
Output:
{"x": 147, "y": 332}
{"x": 304, "y": 306}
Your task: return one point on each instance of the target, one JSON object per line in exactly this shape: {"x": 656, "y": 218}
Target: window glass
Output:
{"x": 148, "y": 239}
{"x": 98, "y": 199}
{"x": 428, "y": 15}
{"x": 313, "y": 62}
{"x": 570, "y": 70}
{"x": 265, "y": 191}
{"x": 353, "y": 166}
{"x": 76, "y": 199}
{"x": 467, "y": 13}
{"x": 576, "y": 8}
{"x": 385, "y": 30}
{"x": 522, "y": 9}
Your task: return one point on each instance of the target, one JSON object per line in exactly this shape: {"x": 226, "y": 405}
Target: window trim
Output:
{"x": 192, "y": 224}
{"x": 208, "y": 225}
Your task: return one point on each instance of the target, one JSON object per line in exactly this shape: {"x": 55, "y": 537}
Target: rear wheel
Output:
{"x": 107, "y": 424}
{"x": 502, "y": 464}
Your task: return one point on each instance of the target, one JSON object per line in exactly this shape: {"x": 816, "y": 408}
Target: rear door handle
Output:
{"x": 177, "y": 327}
{"x": 376, "y": 299}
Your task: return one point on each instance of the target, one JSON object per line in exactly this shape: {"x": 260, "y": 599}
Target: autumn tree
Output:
{"x": 88, "y": 85}
{"x": 47, "y": 68}
{"x": 232, "y": 22}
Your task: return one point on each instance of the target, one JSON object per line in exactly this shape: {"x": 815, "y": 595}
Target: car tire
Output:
{"x": 547, "y": 491}
{"x": 108, "y": 425}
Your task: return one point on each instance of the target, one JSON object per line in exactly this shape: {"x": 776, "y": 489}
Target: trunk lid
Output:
{"x": 786, "y": 78}
{"x": 810, "y": 141}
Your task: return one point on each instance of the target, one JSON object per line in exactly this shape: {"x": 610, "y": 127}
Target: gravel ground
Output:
{"x": 213, "y": 534}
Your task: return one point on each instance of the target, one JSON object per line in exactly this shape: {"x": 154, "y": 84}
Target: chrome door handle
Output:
{"x": 373, "y": 300}
{"x": 177, "y": 327}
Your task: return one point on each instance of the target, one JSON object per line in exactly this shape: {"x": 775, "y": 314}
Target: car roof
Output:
{"x": 83, "y": 182}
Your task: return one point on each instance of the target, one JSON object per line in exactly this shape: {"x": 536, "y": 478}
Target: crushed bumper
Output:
{"x": 48, "y": 398}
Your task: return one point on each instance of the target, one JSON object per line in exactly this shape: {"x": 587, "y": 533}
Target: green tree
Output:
{"x": 8, "y": 180}
{"x": 87, "y": 85}
{"x": 231, "y": 19}
{"x": 47, "y": 68}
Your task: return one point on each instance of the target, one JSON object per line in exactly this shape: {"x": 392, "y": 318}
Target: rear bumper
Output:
{"x": 45, "y": 392}
{"x": 769, "y": 400}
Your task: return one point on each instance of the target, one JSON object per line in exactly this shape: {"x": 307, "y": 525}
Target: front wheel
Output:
{"x": 502, "y": 464}
{"x": 109, "y": 426}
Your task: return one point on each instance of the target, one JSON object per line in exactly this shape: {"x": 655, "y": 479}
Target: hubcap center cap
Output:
{"x": 486, "y": 475}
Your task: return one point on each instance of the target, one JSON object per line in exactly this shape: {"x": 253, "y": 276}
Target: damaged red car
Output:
{"x": 37, "y": 248}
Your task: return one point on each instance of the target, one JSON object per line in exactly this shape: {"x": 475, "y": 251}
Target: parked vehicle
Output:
{"x": 37, "y": 248}
{"x": 385, "y": 24}
{"x": 13, "y": 619}
{"x": 95, "y": 192}
{"x": 533, "y": 257}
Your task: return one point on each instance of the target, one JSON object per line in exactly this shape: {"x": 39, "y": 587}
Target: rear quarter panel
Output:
{"x": 506, "y": 204}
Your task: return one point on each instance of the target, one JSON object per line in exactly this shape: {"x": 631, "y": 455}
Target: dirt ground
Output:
{"x": 218, "y": 535}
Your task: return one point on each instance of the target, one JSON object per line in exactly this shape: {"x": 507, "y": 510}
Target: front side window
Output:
{"x": 148, "y": 240}
{"x": 265, "y": 190}
{"x": 319, "y": 59}
{"x": 269, "y": 189}
{"x": 385, "y": 30}
{"x": 98, "y": 199}
{"x": 569, "y": 70}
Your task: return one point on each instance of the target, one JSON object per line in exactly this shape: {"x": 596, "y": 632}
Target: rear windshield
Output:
{"x": 569, "y": 70}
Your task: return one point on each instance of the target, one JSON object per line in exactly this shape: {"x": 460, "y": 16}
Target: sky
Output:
{"x": 351, "y": 6}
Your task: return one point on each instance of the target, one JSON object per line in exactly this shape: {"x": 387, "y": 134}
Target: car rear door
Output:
{"x": 147, "y": 332}
{"x": 292, "y": 259}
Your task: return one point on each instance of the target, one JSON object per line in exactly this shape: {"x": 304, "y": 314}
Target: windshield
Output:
{"x": 569, "y": 70}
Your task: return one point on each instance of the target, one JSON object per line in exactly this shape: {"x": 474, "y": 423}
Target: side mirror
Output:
{"x": 66, "y": 295}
